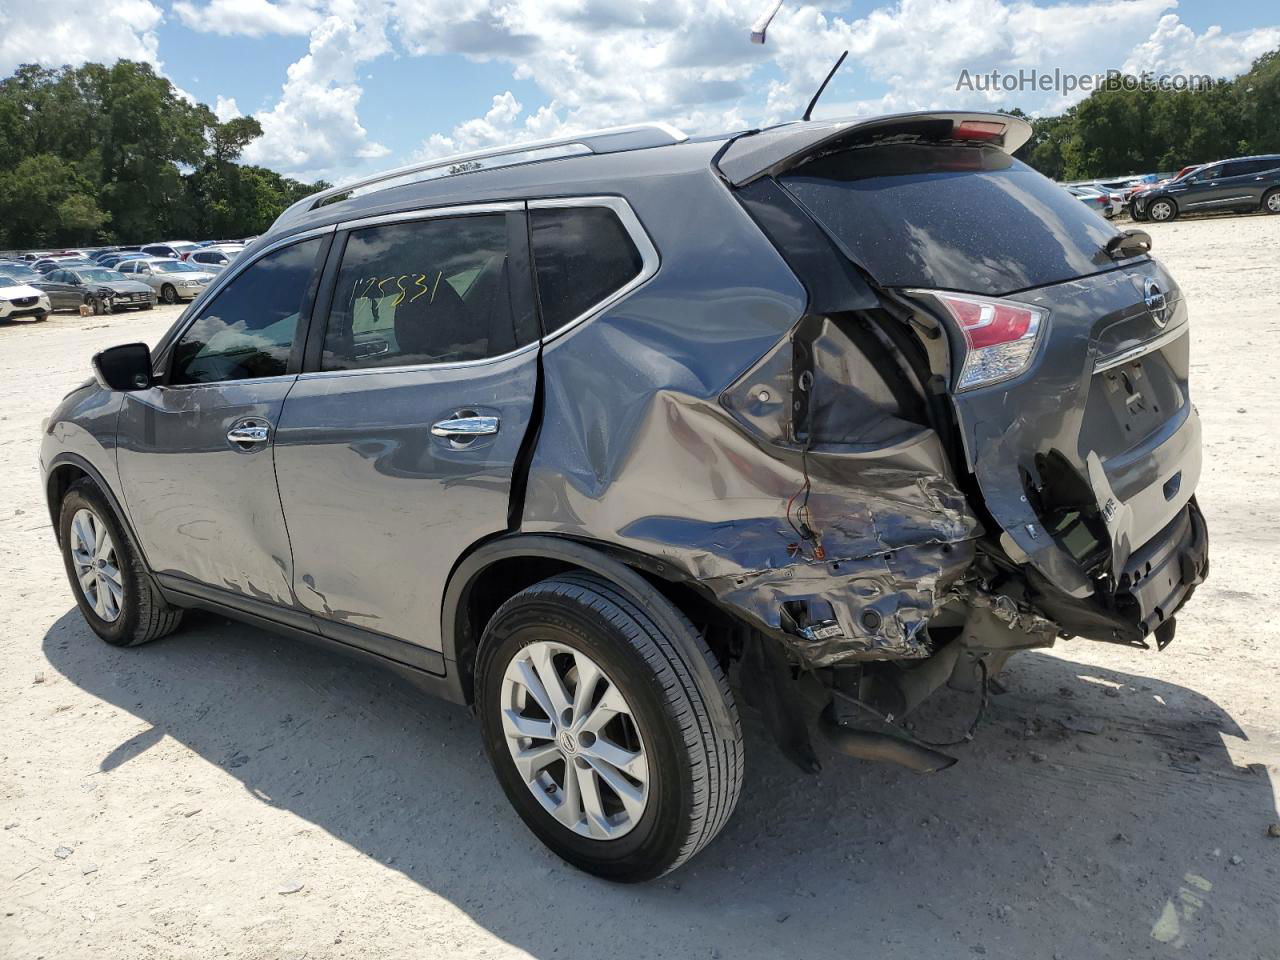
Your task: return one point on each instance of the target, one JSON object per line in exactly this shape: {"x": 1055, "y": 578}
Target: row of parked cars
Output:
{"x": 110, "y": 279}
{"x": 1242, "y": 184}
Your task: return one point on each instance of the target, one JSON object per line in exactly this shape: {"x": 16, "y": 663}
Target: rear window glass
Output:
{"x": 582, "y": 256}
{"x": 951, "y": 216}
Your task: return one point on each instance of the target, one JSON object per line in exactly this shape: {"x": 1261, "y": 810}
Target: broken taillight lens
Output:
{"x": 1000, "y": 337}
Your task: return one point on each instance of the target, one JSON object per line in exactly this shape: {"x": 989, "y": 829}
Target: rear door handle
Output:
{"x": 461, "y": 431}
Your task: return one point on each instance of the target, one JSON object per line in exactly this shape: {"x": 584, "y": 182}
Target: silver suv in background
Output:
{"x": 172, "y": 280}
{"x": 850, "y": 410}
{"x": 213, "y": 259}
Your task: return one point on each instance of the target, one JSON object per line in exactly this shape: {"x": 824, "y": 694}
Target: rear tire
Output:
{"x": 1271, "y": 201}
{"x": 111, "y": 586}
{"x": 1162, "y": 210}
{"x": 687, "y": 770}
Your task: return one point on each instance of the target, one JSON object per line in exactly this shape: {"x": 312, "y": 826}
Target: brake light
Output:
{"x": 977, "y": 130}
{"x": 1000, "y": 337}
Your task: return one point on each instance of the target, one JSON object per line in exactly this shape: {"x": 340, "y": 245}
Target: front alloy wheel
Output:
{"x": 573, "y": 737}
{"x": 1271, "y": 202}
{"x": 169, "y": 294}
{"x": 118, "y": 598}
{"x": 96, "y": 566}
{"x": 1162, "y": 210}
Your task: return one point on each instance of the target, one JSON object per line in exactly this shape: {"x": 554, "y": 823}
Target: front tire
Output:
{"x": 169, "y": 294}
{"x": 600, "y": 734}
{"x": 111, "y": 586}
{"x": 1162, "y": 210}
{"x": 1271, "y": 201}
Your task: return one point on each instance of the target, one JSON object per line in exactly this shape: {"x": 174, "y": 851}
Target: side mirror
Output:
{"x": 126, "y": 367}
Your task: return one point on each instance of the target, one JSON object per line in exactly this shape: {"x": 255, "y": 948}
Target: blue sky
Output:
{"x": 345, "y": 86}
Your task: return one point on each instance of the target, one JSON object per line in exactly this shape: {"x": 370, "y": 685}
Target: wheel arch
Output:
{"x": 498, "y": 569}
{"x": 65, "y": 470}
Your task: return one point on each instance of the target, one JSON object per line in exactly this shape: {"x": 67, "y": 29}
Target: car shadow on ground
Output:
{"x": 1078, "y": 818}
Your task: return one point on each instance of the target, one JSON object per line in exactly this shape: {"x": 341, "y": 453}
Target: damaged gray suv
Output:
{"x": 577, "y": 431}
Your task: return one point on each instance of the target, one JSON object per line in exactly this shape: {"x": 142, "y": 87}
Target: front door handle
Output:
{"x": 461, "y": 431}
{"x": 249, "y": 433}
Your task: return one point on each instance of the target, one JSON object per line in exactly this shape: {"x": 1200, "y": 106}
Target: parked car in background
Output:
{"x": 171, "y": 279}
{"x": 213, "y": 259}
{"x": 1144, "y": 185}
{"x": 104, "y": 290}
{"x": 1241, "y": 184}
{"x": 20, "y": 300}
{"x": 112, "y": 259}
{"x": 1096, "y": 200}
{"x": 19, "y": 270}
{"x": 60, "y": 297}
{"x": 925, "y": 412}
{"x": 50, "y": 263}
{"x": 175, "y": 249}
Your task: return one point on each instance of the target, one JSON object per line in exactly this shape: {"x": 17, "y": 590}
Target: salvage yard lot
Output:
{"x": 225, "y": 792}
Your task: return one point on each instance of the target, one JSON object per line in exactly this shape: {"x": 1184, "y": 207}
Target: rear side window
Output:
{"x": 247, "y": 331}
{"x": 951, "y": 216}
{"x": 425, "y": 291}
{"x": 582, "y": 255}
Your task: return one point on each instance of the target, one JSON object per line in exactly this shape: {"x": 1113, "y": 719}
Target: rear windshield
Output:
{"x": 951, "y": 216}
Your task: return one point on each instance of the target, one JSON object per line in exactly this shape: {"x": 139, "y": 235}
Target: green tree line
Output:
{"x": 100, "y": 155}
{"x": 1118, "y": 132}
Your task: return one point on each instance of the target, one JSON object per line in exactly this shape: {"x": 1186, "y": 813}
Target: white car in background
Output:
{"x": 20, "y": 300}
{"x": 172, "y": 280}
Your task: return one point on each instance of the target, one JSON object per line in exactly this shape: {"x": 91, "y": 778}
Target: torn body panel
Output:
{"x": 844, "y": 542}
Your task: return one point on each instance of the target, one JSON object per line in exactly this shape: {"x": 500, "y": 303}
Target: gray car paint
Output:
{"x": 357, "y": 466}
{"x": 646, "y": 406}
{"x": 203, "y": 509}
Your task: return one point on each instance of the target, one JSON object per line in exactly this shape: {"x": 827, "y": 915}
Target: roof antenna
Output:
{"x": 760, "y": 26}
{"x": 814, "y": 102}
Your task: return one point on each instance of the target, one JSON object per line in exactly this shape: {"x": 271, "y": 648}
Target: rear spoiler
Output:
{"x": 771, "y": 152}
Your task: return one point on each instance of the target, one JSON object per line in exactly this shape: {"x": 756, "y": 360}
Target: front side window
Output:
{"x": 582, "y": 255}
{"x": 247, "y": 331}
{"x": 424, "y": 291}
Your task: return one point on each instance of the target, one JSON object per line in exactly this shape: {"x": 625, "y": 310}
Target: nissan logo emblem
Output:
{"x": 1153, "y": 296}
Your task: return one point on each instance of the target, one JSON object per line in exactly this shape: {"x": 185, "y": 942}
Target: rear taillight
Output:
{"x": 1000, "y": 336}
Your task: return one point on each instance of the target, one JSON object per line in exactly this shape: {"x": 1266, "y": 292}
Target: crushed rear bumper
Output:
{"x": 1157, "y": 580}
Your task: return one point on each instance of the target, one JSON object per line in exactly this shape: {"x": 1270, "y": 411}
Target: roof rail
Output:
{"x": 610, "y": 140}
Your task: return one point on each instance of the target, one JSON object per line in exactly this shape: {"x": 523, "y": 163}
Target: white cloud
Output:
{"x": 1174, "y": 48}
{"x": 607, "y": 62}
{"x": 252, "y": 18}
{"x": 313, "y": 129}
{"x": 72, "y": 32}
{"x": 226, "y": 108}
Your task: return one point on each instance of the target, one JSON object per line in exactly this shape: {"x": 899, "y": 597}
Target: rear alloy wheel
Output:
{"x": 616, "y": 752}
{"x": 1271, "y": 202}
{"x": 111, "y": 586}
{"x": 168, "y": 293}
{"x": 1162, "y": 210}
{"x": 585, "y": 762}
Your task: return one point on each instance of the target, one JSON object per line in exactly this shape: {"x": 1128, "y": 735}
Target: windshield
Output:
{"x": 100, "y": 275}
{"x": 173, "y": 266}
{"x": 961, "y": 217}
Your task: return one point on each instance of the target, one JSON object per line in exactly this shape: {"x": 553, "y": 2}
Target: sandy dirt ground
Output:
{"x": 228, "y": 793}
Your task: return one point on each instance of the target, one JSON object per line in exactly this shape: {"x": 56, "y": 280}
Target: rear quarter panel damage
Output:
{"x": 638, "y": 449}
